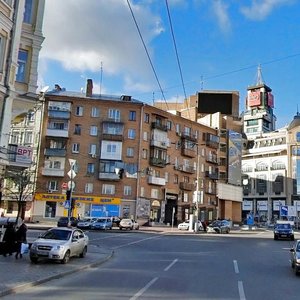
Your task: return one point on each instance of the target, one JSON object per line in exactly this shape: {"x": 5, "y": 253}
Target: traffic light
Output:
{"x": 68, "y": 195}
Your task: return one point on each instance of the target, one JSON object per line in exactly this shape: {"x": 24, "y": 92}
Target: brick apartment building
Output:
{"x": 128, "y": 158}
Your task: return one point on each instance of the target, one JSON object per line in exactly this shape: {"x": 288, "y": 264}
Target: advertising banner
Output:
{"x": 254, "y": 99}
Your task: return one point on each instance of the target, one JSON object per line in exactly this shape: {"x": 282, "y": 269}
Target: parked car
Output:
{"x": 102, "y": 223}
{"x": 186, "y": 224}
{"x": 128, "y": 224}
{"x": 295, "y": 257}
{"x": 283, "y": 229}
{"x": 64, "y": 222}
{"x": 86, "y": 223}
{"x": 59, "y": 244}
{"x": 116, "y": 221}
{"x": 219, "y": 226}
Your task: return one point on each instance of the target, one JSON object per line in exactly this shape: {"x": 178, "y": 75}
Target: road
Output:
{"x": 162, "y": 266}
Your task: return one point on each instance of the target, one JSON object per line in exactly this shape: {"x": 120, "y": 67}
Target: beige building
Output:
{"x": 20, "y": 43}
{"x": 122, "y": 157}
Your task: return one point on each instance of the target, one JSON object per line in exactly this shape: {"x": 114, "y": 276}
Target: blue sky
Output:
{"x": 220, "y": 44}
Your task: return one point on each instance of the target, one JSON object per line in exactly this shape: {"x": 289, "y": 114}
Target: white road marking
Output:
{"x": 236, "y": 267}
{"x": 144, "y": 289}
{"x": 171, "y": 264}
{"x": 241, "y": 290}
{"x": 136, "y": 242}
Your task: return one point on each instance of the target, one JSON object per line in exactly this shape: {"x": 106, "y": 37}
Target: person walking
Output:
{"x": 9, "y": 240}
{"x": 21, "y": 237}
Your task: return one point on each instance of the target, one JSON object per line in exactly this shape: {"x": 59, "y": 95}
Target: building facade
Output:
{"x": 20, "y": 43}
{"x": 122, "y": 157}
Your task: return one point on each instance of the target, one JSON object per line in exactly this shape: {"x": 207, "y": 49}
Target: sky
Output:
{"x": 165, "y": 50}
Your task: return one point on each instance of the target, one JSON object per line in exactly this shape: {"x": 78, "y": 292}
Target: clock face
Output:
{"x": 254, "y": 99}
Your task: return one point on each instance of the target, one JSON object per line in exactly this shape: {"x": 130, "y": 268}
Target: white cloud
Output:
{"x": 221, "y": 11}
{"x": 81, "y": 36}
{"x": 259, "y": 10}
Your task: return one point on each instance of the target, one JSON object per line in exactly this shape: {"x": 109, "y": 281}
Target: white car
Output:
{"x": 59, "y": 244}
{"x": 129, "y": 224}
{"x": 86, "y": 223}
{"x": 186, "y": 224}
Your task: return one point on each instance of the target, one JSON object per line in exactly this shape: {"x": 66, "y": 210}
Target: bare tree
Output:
{"x": 19, "y": 187}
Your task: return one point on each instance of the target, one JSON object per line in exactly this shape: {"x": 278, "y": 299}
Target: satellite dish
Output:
{"x": 44, "y": 89}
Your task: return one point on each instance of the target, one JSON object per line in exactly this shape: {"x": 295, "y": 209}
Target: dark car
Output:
{"x": 295, "y": 257}
{"x": 219, "y": 226}
{"x": 283, "y": 231}
{"x": 64, "y": 222}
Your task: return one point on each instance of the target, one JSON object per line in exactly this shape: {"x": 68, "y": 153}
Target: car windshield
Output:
{"x": 101, "y": 220}
{"x": 56, "y": 234}
{"x": 283, "y": 226}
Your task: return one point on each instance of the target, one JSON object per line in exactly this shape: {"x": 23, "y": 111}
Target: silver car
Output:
{"x": 295, "y": 257}
{"x": 59, "y": 244}
{"x": 86, "y": 223}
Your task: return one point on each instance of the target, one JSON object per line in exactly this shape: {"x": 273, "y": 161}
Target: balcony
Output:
{"x": 112, "y": 137}
{"x": 211, "y": 191}
{"x": 212, "y": 159}
{"x": 156, "y": 180}
{"x": 155, "y": 125}
{"x": 212, "y": 175}
{"x": 109, "y": 176}
{"x": 188, "y": 152}
{"x": 59, "y": 114}
{"x": 160, "y": 144}
{"x": 57, "y": 132}
{"x": 188, "y": 169}
{"x": 187, "y": 186}
{"x": 159, "y": 162}
{"x": 55, "y": 152}
{"x": 53, "y": 172}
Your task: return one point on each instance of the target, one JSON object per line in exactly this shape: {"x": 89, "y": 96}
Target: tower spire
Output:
{"x": 259, "y": 78}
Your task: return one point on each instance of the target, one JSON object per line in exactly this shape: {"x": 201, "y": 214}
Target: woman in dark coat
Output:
{"x": 21, "y": 237}
{"x": 9, "y": 240}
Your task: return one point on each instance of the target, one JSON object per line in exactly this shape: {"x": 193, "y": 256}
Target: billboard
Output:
{"x": 24, "y": 154}
{"x": 210, "y": 103}
{"x": 254, "y": 98}
{"x": 234, "y": 157}
{"x": 270, "y": 100}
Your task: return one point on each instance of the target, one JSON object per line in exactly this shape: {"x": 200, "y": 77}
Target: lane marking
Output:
{"x": 236, "y": 267}
{"x": 136, "y": 242}
{"x": 241, "y": 290}
{"x": 144, "y": 289}
{"x": 171, "y": 264}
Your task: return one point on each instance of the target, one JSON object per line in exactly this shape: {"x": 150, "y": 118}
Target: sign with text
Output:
{"x": 24, "y": 154}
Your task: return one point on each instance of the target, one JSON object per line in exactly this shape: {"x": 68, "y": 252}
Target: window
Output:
{"x": 145, "y": 136}
{"x": 298, "y": 137}
{"x": 169, "y": 125}
{"x": 52, "y": 186}
{"x": 55, "y": 164}
{"x": 177, "y": 128}
{"x": 90, "y": 168}
{"x": 93, "y": 130}
{"x": 146, "y": 118}
{"x": 185, "y": 197}
{"x": 144, "y": 153}
{"x": 22, "y": 65}
{"x": 88, "y": 188}
{"x": 175, "y": 178}
{"x": 28, "y": 138}
{"x": 108, "y": 189}
{"x": 50, "y": 209}
{"x": 79, "y": 111}
{"x": 130, "y": 152}
{"x": 93, "y": 149}
{"x": 132, "y": 115}
{"x": 127, "y": 190}
{"x": 114, "y": 114}
{"x": 154, "y": 193}
{"x": 77, "y": 129}
{"x": 111, "y": 148}
{"x": 2, "y": 52}
{"x": 75, "y": 147}
{"x": 142, "y": 191}
{"x": 28, "y": 12}
{"x": 131, "y": 133}
{"x": 95, "y": 112}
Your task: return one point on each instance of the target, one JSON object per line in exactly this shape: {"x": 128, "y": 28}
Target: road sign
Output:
{"x": 71, "y": 185}
{"x": 67, "y": 204}
{"x": 64, "y": 185}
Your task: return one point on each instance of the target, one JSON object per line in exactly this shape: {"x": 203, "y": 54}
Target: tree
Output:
{"x": 19, "y": 186}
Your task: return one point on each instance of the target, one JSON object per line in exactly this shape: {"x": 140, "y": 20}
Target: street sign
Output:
{"x": 67, "y": 204}
{"x": 71, "y": 185}
{"x": 64, "y": 185}
{"x": 72, "y": 174}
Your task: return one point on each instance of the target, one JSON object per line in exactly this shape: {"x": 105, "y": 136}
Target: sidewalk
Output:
{"x": 19, "y": 274}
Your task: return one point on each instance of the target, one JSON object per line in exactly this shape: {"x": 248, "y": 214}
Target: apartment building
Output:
{"x": 122, "y": 157}
{"x": 20, "y": 43}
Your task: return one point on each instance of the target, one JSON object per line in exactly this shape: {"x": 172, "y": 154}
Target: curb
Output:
{"x": 25, "y": 286}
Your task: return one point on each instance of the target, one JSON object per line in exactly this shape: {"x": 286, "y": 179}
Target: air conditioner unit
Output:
{"x": 93, "y": 155}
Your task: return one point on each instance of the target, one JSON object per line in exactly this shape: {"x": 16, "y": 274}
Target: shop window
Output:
{"x": 50, "y": 209}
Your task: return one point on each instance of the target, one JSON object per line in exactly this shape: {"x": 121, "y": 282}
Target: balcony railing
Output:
{"x": 159, "y": 162}
{"x": 53, "y": 172}
{"x": 155, "y": 125}
{"x": 187, "y": 186}
{"x": 112, "y": 137}
{"x": 57, "y": 132}
{"x": 212, "y": 175}
{"x": 55, "y": 152}
{"x": 156, "y": 180}
{"x": 109, "y": 176}
{"x": 188, "y": 169}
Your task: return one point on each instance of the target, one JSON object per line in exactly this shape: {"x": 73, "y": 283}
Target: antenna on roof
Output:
{"x": 101, "y": 74}
{"x": 259, "y": 78}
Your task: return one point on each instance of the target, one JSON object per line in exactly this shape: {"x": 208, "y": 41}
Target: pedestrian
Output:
{"x": 21, "y": 237}
{"x": 9, "y": 240}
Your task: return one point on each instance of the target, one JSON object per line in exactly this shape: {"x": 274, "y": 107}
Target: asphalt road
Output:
{"x": 162, "y": 266}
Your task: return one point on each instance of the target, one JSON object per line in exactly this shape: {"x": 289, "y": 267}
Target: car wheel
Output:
{"x": 34, "y": 260}
{"x": 66, "y": 257}
{"x": 292, "y": 238}
{"x": 131, "y": 228}
{"x": 275, "y": 237}
{"x": 83, "y": 253}
{"x": 120, "y": 228}
{"x": 138, "y": 228}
